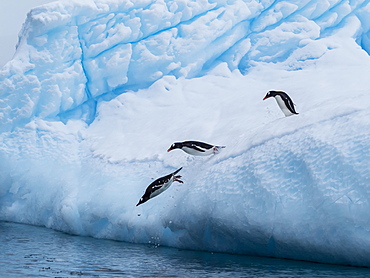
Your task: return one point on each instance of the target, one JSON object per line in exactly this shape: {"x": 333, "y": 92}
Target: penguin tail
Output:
{"x": 178, "y": 170}
{"x": 217, "y": 149}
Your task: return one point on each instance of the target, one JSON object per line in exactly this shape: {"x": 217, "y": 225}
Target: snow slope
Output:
{"x": 98, "y": 90}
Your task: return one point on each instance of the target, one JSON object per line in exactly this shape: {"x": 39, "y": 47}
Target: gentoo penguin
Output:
{"x": 196, "y": 148}
{"x": 284, "y": 101}
{"x": 158, "y": 186}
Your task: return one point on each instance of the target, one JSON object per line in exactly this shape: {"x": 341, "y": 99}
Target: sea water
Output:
{"x": 29, "y": 251}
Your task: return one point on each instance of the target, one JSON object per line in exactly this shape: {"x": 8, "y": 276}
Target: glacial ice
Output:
{"x": 98, "y": 90}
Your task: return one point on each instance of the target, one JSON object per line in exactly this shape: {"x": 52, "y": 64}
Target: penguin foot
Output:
{"x": 177, "y": 178}
{"x": 217, "y": 149}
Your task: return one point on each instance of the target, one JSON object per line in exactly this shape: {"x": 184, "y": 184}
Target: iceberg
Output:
{"x": 98, "y": 90}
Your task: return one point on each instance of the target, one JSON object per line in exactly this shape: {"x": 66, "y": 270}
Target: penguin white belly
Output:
{"x": 282, "y": 106}
{"x": 198, "y": 153}
{"x": 163, "y": 188}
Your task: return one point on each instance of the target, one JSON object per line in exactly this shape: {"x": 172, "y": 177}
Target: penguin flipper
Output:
{"x": 197, "y": 148}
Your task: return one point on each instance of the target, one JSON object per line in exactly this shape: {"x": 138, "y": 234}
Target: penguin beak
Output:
{"x": 266, "y": 97}
{"x": 170, "y": 149}
{"x": 140, "y": 202}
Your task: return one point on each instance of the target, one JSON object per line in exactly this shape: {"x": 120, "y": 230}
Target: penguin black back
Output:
{"x": 200, "y": 146}
{"x": 190, "y": 144}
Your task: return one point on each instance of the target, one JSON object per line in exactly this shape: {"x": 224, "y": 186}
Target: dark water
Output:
{"x": 28, "y": 251}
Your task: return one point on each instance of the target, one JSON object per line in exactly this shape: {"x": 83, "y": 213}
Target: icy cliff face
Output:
{"x": 98, "y": 90}
{"x": 71, "y": 54}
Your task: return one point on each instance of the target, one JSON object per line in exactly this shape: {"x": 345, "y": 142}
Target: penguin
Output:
{"x": 159, "y": 185}
{"x": 196, "y": 148}
{"x": 284, "y": 101}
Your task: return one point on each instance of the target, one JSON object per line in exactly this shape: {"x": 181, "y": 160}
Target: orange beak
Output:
{"x": 170, "y": 149}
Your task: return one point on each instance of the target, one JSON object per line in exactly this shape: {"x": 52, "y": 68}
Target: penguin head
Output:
{"x": 143, "y": 200}
{"x": 175, "y": 146}
{"x": 272, "y": 94}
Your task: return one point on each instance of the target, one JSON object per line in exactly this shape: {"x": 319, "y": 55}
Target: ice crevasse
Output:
{"x": 98, "y": 90}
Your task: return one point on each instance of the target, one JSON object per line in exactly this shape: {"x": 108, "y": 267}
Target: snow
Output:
{"x": 98, "y": 91}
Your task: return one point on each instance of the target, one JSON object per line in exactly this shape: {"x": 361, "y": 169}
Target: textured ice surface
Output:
{"x": 98, "y": 90}
{"x": 72, "y": 54}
